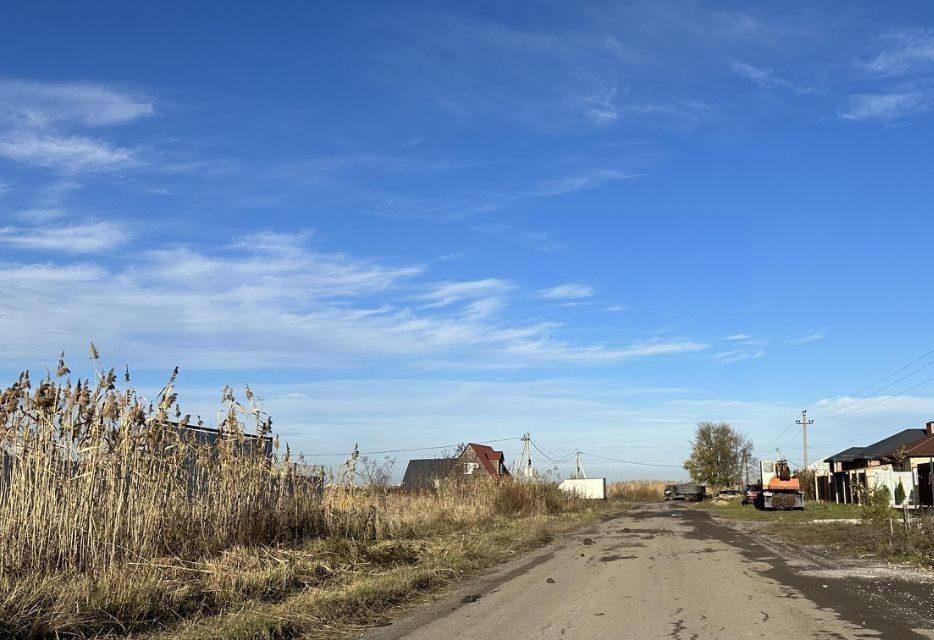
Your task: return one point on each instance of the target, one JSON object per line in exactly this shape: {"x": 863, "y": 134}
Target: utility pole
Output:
{"x": 804, "y": 422}
{"x": 580, "y": 473}
{"x": 525, "y": 461}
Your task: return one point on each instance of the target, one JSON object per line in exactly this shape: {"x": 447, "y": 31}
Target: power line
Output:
{"x": 885, "y": 399}
{"x": 884, "y": 378}
{"x": 548, "y": 457}
{"x": 776, "y": 441}
{"x": 445, "y": 446}
{"x": 641, "y": 464}
{"x": 921, "y": 357}
{"x": 882, "y": 433}
{"x": 842, "y": 410}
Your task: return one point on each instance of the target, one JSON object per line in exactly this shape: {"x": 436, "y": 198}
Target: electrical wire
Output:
{"x": 885, "y": 399}
{"x": 777, "y": 440}
{"x": 641, "y": 464}
{"x": 372, "y": 453}
{"x": 548, "y": 457}
{"x": 843, "y": 410}
{"x": 896, "y": 372}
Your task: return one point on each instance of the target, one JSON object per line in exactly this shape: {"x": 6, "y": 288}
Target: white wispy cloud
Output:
{"x": 736, "y": 355}
{"x": 450, "y": 292}
{"x": 905, "y": 52}
{"x": 766, "y": 78}
{"x": 883, "y": 106}
{"x": 271, "y": 301}
{"x": 29, "y": 103}
{"x": 539, "y": 240}
{"x": 71, "y": 154}
{"x": 57, "y": 236}
{"x": 46, "y": 124}
{"x": 682, "y": 113}
{"x": 567, "y": 292}
{"x": 599, "y": 108}
{"x": 813, "y": 336}
{"x": 747, "y": 340}
{"x": 586, "y": 180}
{"x": 547, "y": 350}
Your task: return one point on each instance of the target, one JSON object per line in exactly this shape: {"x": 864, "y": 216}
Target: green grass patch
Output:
{"x": 735, "y": 510}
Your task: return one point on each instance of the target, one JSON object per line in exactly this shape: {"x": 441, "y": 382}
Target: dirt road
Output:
{"x": 666, "y": 571}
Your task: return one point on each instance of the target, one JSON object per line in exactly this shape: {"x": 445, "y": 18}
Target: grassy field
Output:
{"x": 367, "y": 585}
{"x": 115, "y": 520}
{"x": 735, "y": 510}
{"x": 879, "y": 534}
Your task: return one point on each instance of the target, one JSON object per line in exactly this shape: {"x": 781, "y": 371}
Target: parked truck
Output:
{"x": 686, "y": 491}
{"x": 778, "y": 489}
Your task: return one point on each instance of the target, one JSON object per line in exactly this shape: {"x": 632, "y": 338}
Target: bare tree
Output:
{"x": 375, "y": 473}
{"x": 453, "y": 454}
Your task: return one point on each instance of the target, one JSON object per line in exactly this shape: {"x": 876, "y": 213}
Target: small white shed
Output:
{"x": 590, "y": 488}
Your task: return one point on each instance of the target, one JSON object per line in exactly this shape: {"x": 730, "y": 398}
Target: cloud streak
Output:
{"x": 269, "y": 301}
{"x": 47, "y": 124}
{"x": 568, "y": 292}
{"x": 58, "y": 237}
{"x": 907, "y": 51}
{"x": 883, "y": 106}
{"x": 766, "y": 78}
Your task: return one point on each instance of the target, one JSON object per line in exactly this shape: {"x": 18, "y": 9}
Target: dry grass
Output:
{"x": 639, "y": 489}
{"x": 94, "y": 476}
{"x": 115, "y": 519}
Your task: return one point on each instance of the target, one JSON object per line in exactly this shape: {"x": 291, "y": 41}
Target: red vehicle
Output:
{"x": 752, "y": 493}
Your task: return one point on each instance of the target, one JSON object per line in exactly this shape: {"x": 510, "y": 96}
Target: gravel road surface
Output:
{"x": 668, "y": 571}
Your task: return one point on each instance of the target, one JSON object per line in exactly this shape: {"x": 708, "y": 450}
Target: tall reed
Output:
{"x": 93, "y": 475}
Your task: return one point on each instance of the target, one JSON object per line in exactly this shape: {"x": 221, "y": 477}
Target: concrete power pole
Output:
{"x": 580, "y": 473}
{"x": 525, "y": 461}
{"x": 804, "y": 422}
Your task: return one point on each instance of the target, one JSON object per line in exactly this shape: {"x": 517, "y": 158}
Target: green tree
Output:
{"x": 899, "y": 494}
{"x": 718, "y": 453}
{"x": 876, "y": 503}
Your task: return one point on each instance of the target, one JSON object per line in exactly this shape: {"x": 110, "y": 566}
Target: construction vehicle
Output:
{"x": 779, "y": 489}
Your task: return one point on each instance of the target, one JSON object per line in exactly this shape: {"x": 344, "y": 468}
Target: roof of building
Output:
{"x": 847, "y": 455}
{"x": 887, "y": 447}
{"x": 490, "y": 459}
{"x": 923, "y": 448}
{"x": 421, "y": 474}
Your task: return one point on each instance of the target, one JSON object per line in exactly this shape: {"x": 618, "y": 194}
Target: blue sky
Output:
{"x": 414, "y": 224}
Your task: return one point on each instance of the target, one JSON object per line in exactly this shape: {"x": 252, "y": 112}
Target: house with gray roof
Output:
{"x": 421, "y": 475}
{"x": 859, "y": 468}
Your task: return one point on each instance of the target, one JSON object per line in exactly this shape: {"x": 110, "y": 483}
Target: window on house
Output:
{"x": 470, "y": 467}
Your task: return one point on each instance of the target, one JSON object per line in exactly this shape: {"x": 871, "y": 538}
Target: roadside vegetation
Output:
{"x": 735, "y": 510}
{"x": 880, "y": 533}
{"x": 116, "y": 520}
{"x": 638, "y": 490}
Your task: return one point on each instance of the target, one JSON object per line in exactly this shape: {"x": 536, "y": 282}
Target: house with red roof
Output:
{"x": 481, "y": 462}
